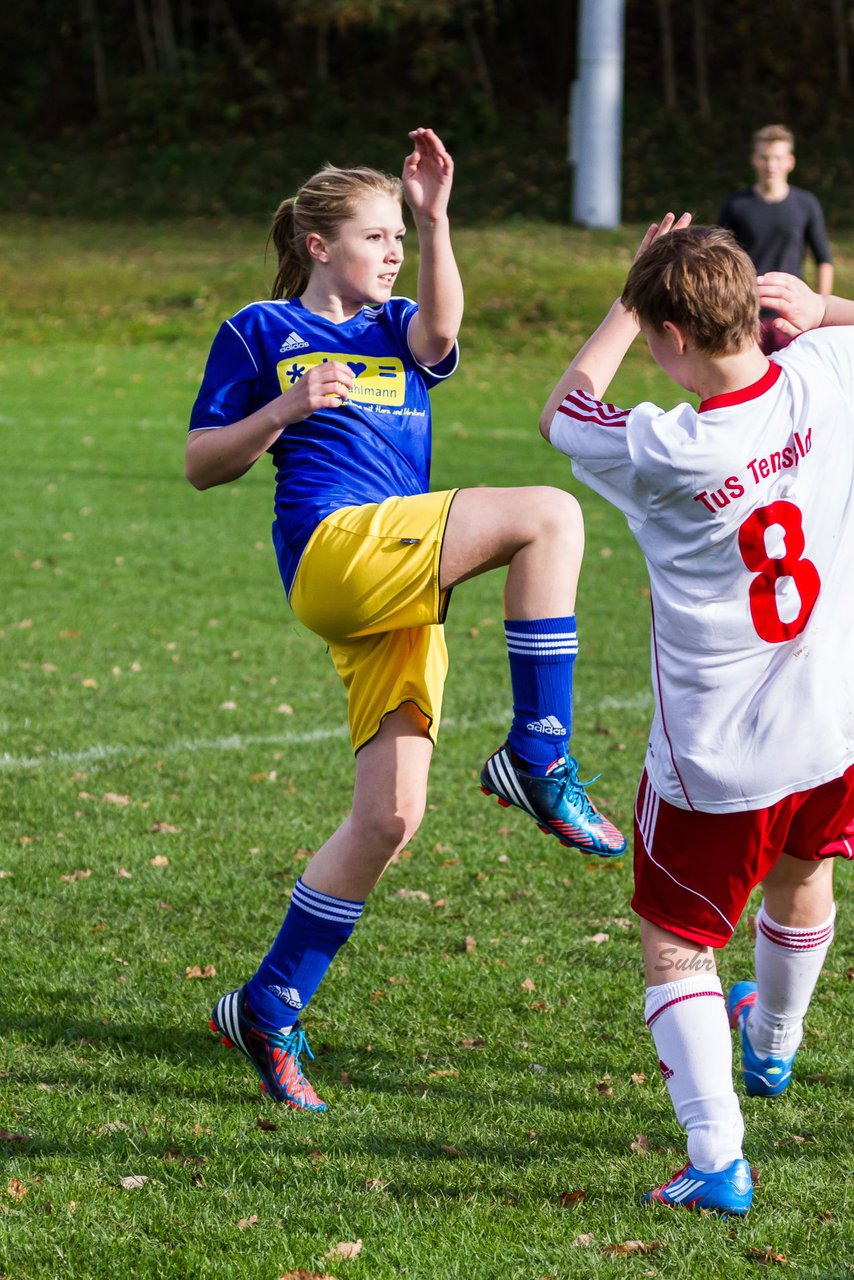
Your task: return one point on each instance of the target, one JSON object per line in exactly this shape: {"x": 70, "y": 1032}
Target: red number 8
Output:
{"x": 768, "y": 569}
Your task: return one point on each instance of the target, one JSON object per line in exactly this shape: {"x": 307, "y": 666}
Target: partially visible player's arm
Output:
{"x": 798, "y": 306}
{"x": 217, "y": 455}
{"x": 597, "y": 362}
{"x": 825, "y": 278}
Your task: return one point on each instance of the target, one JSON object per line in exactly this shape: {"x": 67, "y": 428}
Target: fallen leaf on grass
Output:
{"x": 638, "y": 1077}
{"x": 641, "y": 1144}
{"x": 527, "y": 985}
{"x": 603, "y": 1088}
{"x": 268, "y": 1126}
{"x": 77, "y": 875}
{"x": 193, "y": 971}
{"x": 477, "y": 1042}
{"x": 159, "y": 860}
{"x": 597, "y": 938}
{"x": 633, "y": 1246}
{"x": 165, "y": 827}
{"x": 112, "y": 797}
{"x": 5, "y": 875}
{"x": 16, "y": 1189}
{"x": 412, "y": 895}
{"x": 447, "y": 1071}
{"x": 305, "y": 1275}
{"x": 123, "y": 874}
{"x": 344, "y": 1249}
{"x": 585, "y": 1239}
{"x": 251, "y": 1221}
{"x": 469, "y": 943}
{"x": 6, "y": 1136}
{"x": 374, "y": 1184}
{"x": 134, "y": 1181}
{"x": 175, "y": 1153}
{"x": 766, "y": 1256}
{"x": 453, "y": 1153}
{"x": 567, "y": 1199}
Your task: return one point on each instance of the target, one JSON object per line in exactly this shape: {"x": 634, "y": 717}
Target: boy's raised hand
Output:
{"x": 428, "y": 174}
{"x": 656, "y": 229}
{"x": 798, "y": 307}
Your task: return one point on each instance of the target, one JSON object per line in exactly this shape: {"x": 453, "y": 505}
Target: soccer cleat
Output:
{"x": 728, "y": 1191}
{"x": 763, "y": 1077}
{"x": 274, "y": 1054}
{"x": 557, "y": 801}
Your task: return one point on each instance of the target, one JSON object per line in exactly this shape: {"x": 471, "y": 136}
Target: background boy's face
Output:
{"x": 772, "y": 162}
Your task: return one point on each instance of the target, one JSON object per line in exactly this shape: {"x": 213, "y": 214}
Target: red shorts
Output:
{"x": 694, "y": 872}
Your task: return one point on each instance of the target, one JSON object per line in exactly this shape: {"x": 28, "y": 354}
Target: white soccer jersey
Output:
{"x": 744, "y": 510}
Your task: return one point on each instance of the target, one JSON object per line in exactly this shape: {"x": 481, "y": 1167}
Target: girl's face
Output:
{"x": 364, "y": 259}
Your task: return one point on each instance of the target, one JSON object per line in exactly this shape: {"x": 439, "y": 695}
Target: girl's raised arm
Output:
{"x": 427, "y": 179}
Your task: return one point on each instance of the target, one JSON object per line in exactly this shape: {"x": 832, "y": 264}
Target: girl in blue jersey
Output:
{"x": 331, "y": 378}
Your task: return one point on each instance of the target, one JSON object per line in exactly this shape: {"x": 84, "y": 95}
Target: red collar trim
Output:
{"x": 744, "y": 394}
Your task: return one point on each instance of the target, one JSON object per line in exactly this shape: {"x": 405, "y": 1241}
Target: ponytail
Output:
{"x": 293, "y": 272}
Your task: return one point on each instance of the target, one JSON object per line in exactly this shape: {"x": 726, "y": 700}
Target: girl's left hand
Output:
{"x": 428, "y": 174}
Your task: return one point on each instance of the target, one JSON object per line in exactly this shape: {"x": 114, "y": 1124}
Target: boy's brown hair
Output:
{"x": 773, "y": 133}
{"x": 699, "y": 279}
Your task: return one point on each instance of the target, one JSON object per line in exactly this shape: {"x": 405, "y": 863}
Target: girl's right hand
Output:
{"x": 325, "y": 386}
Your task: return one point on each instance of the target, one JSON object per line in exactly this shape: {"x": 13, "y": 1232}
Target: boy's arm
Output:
{"x": 825, "y": 278}
{"x": 798, "y": 307}
{"x": 427, "y": 178}
{"x": 596, "y": 363}
{"x": 594, "y": 367}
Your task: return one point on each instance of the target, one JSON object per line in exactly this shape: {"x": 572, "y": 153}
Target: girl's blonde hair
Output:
{"x": 321, "y": 204}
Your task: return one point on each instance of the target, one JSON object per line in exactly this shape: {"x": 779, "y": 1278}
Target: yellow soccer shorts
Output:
{"x": 368, "y": 584}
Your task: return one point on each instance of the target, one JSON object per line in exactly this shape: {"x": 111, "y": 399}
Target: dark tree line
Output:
{"x": 84, "y": 62}
{"x": 154, "y": 106}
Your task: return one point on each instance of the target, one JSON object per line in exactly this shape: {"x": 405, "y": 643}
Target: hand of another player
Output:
{"x": 798, "y": 306}
{"x": 428, "y": 174}
{"x": 325, "y": 386}
{"x": 657, "y": 229}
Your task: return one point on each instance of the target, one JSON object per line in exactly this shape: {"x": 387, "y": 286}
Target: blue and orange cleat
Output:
{"x": 557, "y": 801}
{"x": 275, "y": 1055}
{"x": 728, "y": 1191}
{"x": 763, "y": 1077}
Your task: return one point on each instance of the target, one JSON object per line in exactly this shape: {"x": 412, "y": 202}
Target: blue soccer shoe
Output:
{"x": 728, "y": 1191}
{"x": 763, "y": 1077}
{"x": 557, "y": 802}
{"x": 275, "y": 1055}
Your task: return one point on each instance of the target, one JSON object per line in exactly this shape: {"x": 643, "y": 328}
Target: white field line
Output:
{"x": 239, "y": 742}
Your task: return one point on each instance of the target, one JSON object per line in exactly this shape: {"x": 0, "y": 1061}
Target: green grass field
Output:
{"x": 174, "y": 746}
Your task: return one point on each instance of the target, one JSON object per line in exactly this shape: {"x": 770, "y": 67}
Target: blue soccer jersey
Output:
{"x": 375, "y": 446}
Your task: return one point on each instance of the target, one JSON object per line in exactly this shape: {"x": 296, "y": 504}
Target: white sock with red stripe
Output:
{"x": 788, "y": 964}
{"x": 689, "y": 1025}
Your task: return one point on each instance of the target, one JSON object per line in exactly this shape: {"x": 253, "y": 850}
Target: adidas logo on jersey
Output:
{"x": 549, "y": 725}
{"x": 293, "y": 342}
{"x": 287, "y": 995}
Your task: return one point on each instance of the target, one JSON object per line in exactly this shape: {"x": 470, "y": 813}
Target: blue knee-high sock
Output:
{"x": 314, "y": 929}
{"x": 542, "y": 653}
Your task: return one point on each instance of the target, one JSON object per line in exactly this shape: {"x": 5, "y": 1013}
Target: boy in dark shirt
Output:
{"x": 775, "y": 223}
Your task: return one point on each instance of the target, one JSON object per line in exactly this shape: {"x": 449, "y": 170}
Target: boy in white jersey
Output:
{"x": 744, "y": 509}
